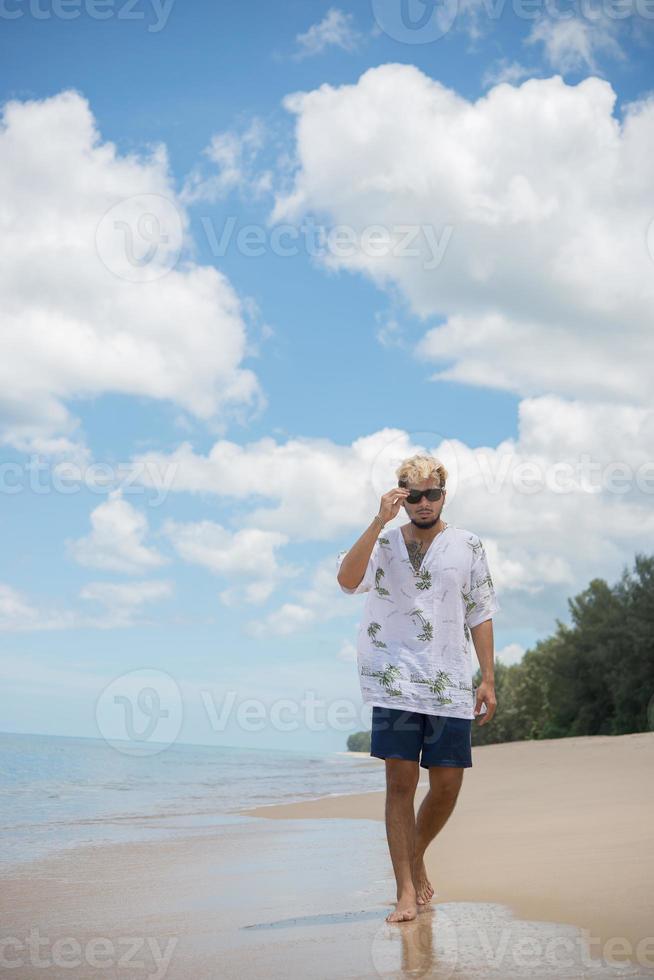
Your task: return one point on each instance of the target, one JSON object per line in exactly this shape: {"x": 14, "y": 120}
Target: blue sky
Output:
{"x": 277, "y": 390}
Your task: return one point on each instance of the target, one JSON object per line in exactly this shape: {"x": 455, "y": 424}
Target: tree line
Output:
{"x": 592, "y": 677}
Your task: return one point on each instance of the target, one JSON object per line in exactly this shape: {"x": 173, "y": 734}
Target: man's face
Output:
{"x": 426, "y": 512}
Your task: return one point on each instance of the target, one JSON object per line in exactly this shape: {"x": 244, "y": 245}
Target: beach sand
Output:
{"x": 558, "y": 830}
{"x": 547, "y": 839}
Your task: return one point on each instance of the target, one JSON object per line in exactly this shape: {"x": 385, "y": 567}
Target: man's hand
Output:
{"x": 485, "y": 695}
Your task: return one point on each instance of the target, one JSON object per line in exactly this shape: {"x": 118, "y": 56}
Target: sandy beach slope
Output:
{"x": 560, "y": 830}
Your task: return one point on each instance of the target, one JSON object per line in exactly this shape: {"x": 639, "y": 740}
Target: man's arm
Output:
{"x": 354, "y": 564}
{"x": 482, "y": 638}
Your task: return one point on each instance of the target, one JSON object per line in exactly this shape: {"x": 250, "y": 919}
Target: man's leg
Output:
{"x": 435, "y": 809}
{"x": 401, "y": 782}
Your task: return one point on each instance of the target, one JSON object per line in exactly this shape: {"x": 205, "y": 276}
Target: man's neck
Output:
{"x": 424, "y": 534}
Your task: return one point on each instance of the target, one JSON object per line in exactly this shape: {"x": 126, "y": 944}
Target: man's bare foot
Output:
{"x": 424, "y": 890}
{"x": 405, "y": 908}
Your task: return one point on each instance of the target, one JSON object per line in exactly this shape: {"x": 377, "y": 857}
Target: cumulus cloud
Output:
{"x": 249, "y": 555}
{"x": 530, "y": 210}
{"x": 318, "y": 486}
{"x": 116, "y": 542}
{"x": 78, "y": 321}
{"x": 317, "y": 600}
{"x": 567, "y": 500}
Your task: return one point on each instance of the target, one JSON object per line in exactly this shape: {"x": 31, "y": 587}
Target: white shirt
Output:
{"x": 414, "y": 646}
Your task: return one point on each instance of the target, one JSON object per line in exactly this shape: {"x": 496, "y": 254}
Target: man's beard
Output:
{"x": 424, "y": 523}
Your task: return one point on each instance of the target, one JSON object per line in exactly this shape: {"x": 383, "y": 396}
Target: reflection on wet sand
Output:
{"x": 475, "y": 941}
{"x": 478, "y": 941}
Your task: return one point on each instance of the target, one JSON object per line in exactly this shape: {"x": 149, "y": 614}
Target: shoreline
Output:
{"x": 270, "y": 891}
{"x": 555, "y": 829}
{"x": 254, "y": 899}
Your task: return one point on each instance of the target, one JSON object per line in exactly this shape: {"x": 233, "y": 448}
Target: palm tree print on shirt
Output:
{"x": 469, "y": 601}
{"x": 427, "y": 627}
{"x": 373, "y": 629}
{"x": 476, "y": 547}
{"x": 386, "y": 678}
{"x": 435, "y": 684}
{"x": 486, "y": 580}
{"x": 379, "y": 589}
{"x": 467, "y": 596}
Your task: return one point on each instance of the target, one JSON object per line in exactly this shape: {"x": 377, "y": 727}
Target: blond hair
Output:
{"x": 417, "y": 468}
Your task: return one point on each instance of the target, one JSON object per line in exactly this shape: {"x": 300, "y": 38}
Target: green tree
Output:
{"x": 358, "y": 742}
{"x": 594, "y": 676}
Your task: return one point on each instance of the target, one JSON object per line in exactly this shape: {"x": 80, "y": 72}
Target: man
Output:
{"x": 430, "y": 594}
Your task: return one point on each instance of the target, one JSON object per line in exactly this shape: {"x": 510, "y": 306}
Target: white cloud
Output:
{"x": 17, "y": 613}
{"x": 253, "y": 593}
{"x": 249, "y": 551}
{"x": 336, "y": 29}
{"x": 512, "y": 653}
{"x": 116, "y": 540}
{"x": 572, "y": 44}
{"x": 504, "y": 71}
{"x": 303, "y": 476}
{"x": 389, "y": 332}
{"x": 289, "y": 618}
{"x": 572, "y": 37}
{"x": 316, "y": 600}
{"x": 74, "y": 326}
{"x": 248, "y": 554}
{"x": 545, "y": 280}
{"x": 233, "y": 158}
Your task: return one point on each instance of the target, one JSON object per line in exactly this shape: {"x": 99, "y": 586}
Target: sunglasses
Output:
{"x": 414, "y": 496}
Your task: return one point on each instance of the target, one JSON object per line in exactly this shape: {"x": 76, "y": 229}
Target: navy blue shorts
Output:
{"x": 400, "y": 734}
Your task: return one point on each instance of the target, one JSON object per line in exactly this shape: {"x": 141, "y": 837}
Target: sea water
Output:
{"x": 60, "y": 792}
